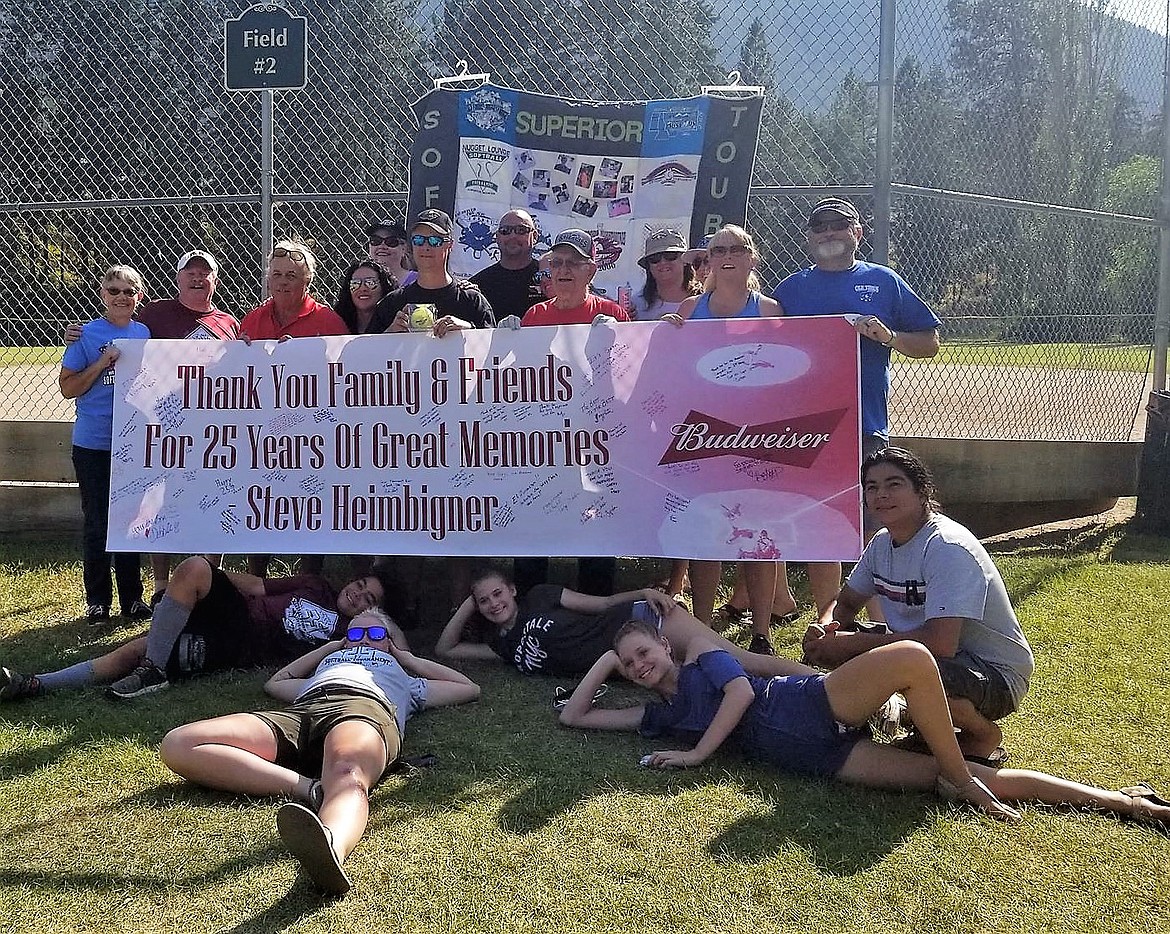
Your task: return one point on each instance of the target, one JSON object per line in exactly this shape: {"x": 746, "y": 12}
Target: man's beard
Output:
{"x": 831, "y": 249}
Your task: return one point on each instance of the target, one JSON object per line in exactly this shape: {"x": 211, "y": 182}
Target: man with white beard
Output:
{"x": 892, "y": 317}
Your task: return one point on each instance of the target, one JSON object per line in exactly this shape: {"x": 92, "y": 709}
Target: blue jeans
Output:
{"x": 93, "y": 479}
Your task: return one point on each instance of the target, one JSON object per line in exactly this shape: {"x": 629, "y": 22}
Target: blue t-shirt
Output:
{"x": 95, "y": 407}
{"x": 866, "y": 289}
{"x": 789, "y": 724}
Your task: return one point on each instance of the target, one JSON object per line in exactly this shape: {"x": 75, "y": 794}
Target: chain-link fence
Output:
{"x": 120, "y": 145}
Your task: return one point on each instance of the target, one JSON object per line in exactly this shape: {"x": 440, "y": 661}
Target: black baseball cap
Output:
{"x": 433, "y": 217}
{"x": 395, "y": 227}
{"x": 833, "y": 206}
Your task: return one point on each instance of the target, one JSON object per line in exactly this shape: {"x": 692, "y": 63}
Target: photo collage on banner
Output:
{"x": 615, "y": 170}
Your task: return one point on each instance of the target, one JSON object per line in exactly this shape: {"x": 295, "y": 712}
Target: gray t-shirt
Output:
{"x": 372, "y": 672}
{"x": 945, "y": 571}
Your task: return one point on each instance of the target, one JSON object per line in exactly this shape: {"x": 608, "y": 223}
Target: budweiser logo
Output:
{"x": 793, "y": 441}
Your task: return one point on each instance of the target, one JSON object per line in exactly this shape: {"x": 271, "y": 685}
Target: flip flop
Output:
{"x": 311, "y": 843}
{"x": 994, "y": 760}
{"x": 783, "y": 619}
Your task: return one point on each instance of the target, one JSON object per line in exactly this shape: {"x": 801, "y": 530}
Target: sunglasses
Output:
{"x": 357, "y": 633}
{"x": 370, "y": 283}
{"x": 116, "y": 291}
{"x": 559, "y": 262}
{"x": 836, "y": 226}
{"x": 432, "y": 240}
{"x": 295, "y": 255}
{"x": 386, "y": 241}
{"x": 737, "y": 249}
{"x": 655, "y": 258}
{"x": 505, "y": 229}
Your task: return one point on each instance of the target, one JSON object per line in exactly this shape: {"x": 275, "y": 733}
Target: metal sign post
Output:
{"x": 265, "y": 49}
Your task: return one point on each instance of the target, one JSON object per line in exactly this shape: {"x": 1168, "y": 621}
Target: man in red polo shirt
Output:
{"x": 571, "y": 262}
{"x": 290, "y": 311}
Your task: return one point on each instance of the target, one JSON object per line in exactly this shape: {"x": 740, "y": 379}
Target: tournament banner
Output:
{"x": 616, "y": 170}
{"x": 718, "y": 439}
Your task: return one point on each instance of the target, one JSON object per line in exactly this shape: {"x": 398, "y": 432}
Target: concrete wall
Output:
{"x": 990, "y": 486}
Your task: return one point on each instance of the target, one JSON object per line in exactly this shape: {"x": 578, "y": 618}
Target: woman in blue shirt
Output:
{"x": 87, "y": 375}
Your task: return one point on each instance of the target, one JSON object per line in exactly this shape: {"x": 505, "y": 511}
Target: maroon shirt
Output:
{"x": 170, "y": 319}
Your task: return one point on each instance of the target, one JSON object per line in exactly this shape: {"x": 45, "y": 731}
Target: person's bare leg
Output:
{"x": 824, "y": 580}
{"x": 783, "y": 599}
{"x": 120, "y": 661}
{"x": 678, "y": 576}
{"x": 680, "y": 627}
{"x": 355, "y": 757}
{"x": 861, "y": 685}
{"x": 232, "y": 753}
{"x": 704, "y": 582}
{"x": 978, "y": 736}
{"x": 762, "y": 578}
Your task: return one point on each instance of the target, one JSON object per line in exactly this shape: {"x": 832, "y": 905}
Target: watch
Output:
{"x": 893, "y": 338}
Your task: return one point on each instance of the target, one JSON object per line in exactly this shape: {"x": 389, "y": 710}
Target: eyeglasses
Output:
{"x": 559, "y": 262}
{"x": 737, "y": 249}
{"x": 115, "y": 291}
{"x": 655, "y": 258}
{"x": 356, "y": 633}
{"x": 386, "y": 241}
{"x": 371, "y": 283}
{"x": 836, "y": 226}
{"x": 505, "y": 229}
{"x": 295, "y": 255}
{"x": 432, "y": 240}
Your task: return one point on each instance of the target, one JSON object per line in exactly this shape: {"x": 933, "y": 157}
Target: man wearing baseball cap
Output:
{"x": 892, "y": 317}
{"x": 572, "y": 265}
{"x": 435, "y": 301}
{"x": 190, "y": 316}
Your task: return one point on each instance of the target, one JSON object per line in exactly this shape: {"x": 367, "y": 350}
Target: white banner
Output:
{"x": 730, "y": 439}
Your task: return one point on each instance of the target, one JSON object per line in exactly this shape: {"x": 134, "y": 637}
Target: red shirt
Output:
{"x": 551, "y": 313}
{"x": 313, "y": 320}
{"x": 170, "y": 319}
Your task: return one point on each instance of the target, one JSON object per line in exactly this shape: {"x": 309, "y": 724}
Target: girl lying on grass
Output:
{"x": 810, "y": 724}
{"x": 350, "y": 700}
{"x": 557, "y": 631}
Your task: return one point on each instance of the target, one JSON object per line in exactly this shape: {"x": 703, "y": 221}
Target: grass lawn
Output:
{"x": 523, "y": 826}
{"x": 30, "y": 356}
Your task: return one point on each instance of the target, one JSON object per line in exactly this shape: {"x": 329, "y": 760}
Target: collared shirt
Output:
{"x": 313, "y": 320}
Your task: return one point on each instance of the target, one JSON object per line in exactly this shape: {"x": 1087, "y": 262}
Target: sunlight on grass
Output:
{"x": 523, "y": 826}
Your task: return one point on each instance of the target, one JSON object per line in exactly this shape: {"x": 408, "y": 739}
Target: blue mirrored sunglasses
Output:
{"x": 356, "y": 633}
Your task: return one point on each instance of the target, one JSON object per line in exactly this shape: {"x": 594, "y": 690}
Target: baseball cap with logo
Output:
{"x": 578, "y": 240}
{"x": 395, "y": 227}
{"x": 663, "y": 240}
{"x": 435, "y": 219}
{"x": 828, "y": 206}
{"x": 196, "y": 254}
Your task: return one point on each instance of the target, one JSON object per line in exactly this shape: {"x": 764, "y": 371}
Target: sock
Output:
{"x": 170, "y": 617}
{"x": 75, "y": 676}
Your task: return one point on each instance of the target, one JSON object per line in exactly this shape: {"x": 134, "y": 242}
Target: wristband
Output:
{"x": 893, "y": 337}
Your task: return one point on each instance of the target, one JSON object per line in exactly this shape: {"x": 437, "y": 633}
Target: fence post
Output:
{"x": 1162, "y": 309}
{"x": 884, "y": 143}
{"x": 266, "y": 148}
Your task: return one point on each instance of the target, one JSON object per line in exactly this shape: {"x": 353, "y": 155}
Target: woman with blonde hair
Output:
{"x": 733, "y": 291}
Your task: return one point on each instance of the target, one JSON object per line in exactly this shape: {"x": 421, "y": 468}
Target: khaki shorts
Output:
{"x": 300, "y": 729}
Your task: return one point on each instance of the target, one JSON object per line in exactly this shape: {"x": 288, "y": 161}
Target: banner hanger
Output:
{"x": 461, "y": 80}
{"x": 733, "y": 88}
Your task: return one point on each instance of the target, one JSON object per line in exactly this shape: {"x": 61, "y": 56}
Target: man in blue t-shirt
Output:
{"x": 892, "y": 318}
